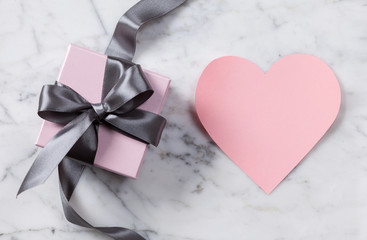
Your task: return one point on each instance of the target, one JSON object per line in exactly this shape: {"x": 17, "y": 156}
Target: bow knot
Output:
{"x": 99, "y": 111}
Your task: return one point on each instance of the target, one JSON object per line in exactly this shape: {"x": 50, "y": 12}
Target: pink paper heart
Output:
{"x": 267, "y": 122}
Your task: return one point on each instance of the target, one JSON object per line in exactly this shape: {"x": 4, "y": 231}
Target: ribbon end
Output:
{"x": 22, "y": 188}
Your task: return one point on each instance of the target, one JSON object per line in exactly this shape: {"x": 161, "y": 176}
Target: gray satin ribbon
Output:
{"x": 124, "y": 89}
{"x": 123, "y": 42}
{"x": 69, "y": 169}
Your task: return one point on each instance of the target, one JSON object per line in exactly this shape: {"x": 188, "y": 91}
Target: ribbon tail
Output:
{"x": 117, "y": 233}
{"x": 55, "y": 150}
{"x": 70, "y": 172}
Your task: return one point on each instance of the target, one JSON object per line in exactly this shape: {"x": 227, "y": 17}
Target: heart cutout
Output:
{"x": 267, "y": 122}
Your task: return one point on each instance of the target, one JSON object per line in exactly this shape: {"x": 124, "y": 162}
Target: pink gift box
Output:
{"x": 83, "y": 70}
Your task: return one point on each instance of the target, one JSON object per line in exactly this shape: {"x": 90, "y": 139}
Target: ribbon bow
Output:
{"x": 118, "y": 110}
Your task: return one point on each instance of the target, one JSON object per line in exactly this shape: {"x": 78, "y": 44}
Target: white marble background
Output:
{"x": 187, "y": 188}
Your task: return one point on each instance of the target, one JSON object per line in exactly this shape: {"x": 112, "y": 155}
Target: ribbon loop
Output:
{"x": 131, "y": 90}
{"x": 59, "y": 103}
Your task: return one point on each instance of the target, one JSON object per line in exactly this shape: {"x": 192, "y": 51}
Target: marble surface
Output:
{"x": 187, "y": 188}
